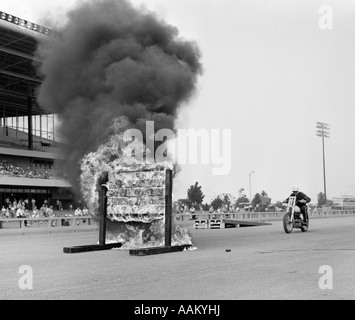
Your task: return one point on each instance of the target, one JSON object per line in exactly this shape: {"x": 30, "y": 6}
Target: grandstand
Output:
{"x": 29, "y": 149}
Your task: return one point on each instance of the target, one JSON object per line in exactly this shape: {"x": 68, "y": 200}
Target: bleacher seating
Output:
{"x": 13, "y": 170}
{"x": 11, "y": 138}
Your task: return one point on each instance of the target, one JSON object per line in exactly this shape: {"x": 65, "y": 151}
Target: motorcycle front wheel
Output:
{"x": 288, "y": 225}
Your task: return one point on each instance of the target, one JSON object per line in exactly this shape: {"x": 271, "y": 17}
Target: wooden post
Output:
{"x": 102, "y": 223}
{"x": 168, "y": 207}
{"x": 103, "y": 209}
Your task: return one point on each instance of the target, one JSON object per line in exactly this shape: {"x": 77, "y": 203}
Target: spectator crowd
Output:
{"x": 12, "y": 170}
{"x": 26, "y": 209}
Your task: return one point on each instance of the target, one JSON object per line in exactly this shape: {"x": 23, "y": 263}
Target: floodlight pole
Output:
{"x": 323, "y": 132}
{"x": 324, "y": 180}
{"x": 250, "y": 185}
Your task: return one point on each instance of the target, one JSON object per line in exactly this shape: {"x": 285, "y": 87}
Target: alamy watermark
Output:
{"x": 326, "y": 17}
{"x": 26, "y": 280}
{"x": 326, "y": 280}
{"x": 186, "y": 146}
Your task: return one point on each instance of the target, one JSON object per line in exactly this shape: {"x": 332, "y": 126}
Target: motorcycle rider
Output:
{"x": 301, "y": 202}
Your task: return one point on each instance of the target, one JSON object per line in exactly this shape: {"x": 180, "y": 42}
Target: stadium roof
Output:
{"x": 18, "y": 77}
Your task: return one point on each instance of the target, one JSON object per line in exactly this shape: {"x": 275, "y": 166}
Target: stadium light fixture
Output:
{"x": 28, "y": 25}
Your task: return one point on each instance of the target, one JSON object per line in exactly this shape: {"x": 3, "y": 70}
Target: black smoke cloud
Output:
{"x": 112, "y": 60}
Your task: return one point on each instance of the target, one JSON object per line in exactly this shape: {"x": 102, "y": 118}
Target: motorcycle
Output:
{"x": 292, "y": 219}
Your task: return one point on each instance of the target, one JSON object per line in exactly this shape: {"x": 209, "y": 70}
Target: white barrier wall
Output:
{"x": 263, "y": 216}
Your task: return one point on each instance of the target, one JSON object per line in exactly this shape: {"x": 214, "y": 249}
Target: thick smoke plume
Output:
{"x": 113, "y": 60}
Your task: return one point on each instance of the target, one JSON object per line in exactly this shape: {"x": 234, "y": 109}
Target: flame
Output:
{"x": 143, "y": 230}
{"x": 146, "y": 236}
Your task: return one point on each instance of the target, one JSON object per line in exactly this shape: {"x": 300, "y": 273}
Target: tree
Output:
{"x": 227, "y": 202}
{"x": 195, "y": 195}
{"x": 264, "y": 194}
{"x": 206, "y": 207}
{"x": 321, "y": 199}
{"x": 257, "y": 200}
{"x": 241, "y": 201}
{"x": 217, "y": 203}
{"x": 329, "y": 203}
{"x": 279, "y": 205}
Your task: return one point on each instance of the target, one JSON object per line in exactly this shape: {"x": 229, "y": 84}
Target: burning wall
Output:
{"x": 136, "y": 193}
{"x": 136, "y": 196}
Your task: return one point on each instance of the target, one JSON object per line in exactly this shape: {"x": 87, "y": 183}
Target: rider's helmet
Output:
{"x": 295, "y": 188}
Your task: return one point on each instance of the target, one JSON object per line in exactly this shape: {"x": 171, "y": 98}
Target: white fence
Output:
{"x": 261, "y": 216}
{"x": 71, "y": 222}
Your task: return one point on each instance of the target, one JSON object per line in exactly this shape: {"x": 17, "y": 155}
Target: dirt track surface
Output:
{"x": 263, "y": 263}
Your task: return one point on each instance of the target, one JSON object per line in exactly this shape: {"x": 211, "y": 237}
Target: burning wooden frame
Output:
{"x": 103, "y": 216}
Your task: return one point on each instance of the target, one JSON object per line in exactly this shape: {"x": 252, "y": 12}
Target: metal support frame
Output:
{"x": 19, "y": 54}
{"x": 20, "y": 76}
{"x": 30, "y": 135}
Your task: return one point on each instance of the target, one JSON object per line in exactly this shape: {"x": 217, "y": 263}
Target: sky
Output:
{"x": 272, "y": 70}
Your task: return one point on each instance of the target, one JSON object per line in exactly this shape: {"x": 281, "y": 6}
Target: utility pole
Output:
{"x": 323, "y": 132}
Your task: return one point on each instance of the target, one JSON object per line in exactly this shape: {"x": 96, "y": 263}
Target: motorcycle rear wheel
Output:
{"x": 288, "y": 225}
{"x": 304, "y": 228}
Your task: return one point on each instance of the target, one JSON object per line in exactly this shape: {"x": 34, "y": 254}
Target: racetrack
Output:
{"x": 264, "y": 263}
